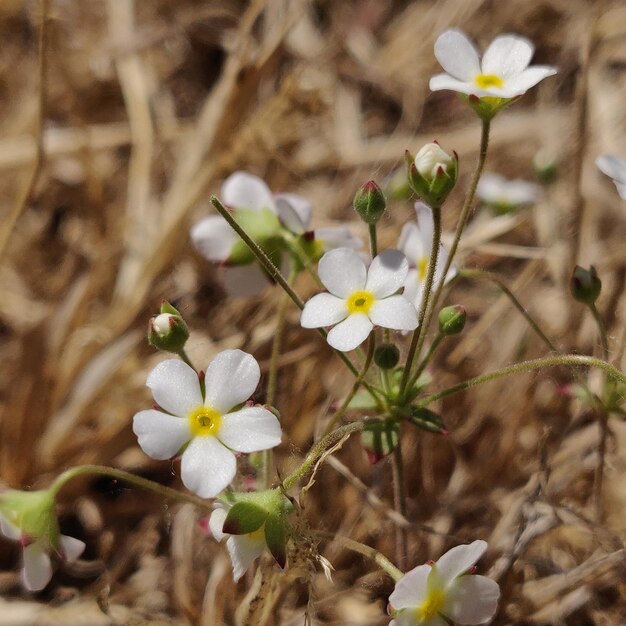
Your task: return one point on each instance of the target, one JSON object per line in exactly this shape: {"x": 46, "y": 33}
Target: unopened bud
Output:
{"x": 369, "y": 202}
{"x": 168, "y": 330}
{"x": 585, "y": 285}
{"x": 386, "y": 356}
{"x": 432, "y": 173}
{"x": 452, "y": 319}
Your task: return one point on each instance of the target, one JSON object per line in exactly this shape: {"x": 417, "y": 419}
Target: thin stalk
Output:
{"x": 303, "y": 258}
{"x": 185, "y": 357}
{"x": 318, "y": 449}
{"x": 527, "y": 366}
{"x": 357, "y": 383}
{"x": 602, "y": 328}
{"x": 360, "y": 548}
{"x": 399, "y": 504}
{"x": 142, "y": 483}
{"x": 424, "y": 362}
{"x": 463, "y": 218}
{"x": 373, "y": 240}
{"x": 430, "y": 276}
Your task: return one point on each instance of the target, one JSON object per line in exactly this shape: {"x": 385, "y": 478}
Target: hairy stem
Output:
{"x": 399, "y": 504}
{"x": 373, "y": 240}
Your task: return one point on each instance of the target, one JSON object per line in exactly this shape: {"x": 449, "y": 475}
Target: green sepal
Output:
{"x": 263, "y": 227}
{"x": 276, "y": 538}
{"x": 244, "y": 518}
{"x": 362, "y": 400}
{"x": 380, "y": 439}
{"x": 487, "y": 106}
{"x": 33, "y": 513}
{"x": 427, "y": 420}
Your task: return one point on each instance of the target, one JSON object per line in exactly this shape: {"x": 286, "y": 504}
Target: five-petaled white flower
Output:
{"x": 444, "y": 592}
{"x": 615, "y": 169}
{"x": 359, "y": 298}
{"x": 37, "y": 565}
{"x": 213, "y": 423}
{"x": 214, "y": 238}
{"x": 503, "y": 72}
{"x": 416, "y": 241}
{"x": 506, "y": 195}
{"x": 243, "y": 549}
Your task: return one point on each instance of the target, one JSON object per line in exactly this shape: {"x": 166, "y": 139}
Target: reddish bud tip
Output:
{"x": 201, "y": 375}
{"x": 473, "y": 99}
{"x": 373, "y": 457}
{"x": 444, "y": 432}
{"x": 203, "y": 525}
{"x": 232, "y": 527}
{"x": 309, "y": 235}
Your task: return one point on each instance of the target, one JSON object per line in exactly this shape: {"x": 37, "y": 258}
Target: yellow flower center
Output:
{"x": 360, "y": 302}
{"x": 204, "y": 421}
{"x": 432, "y": 605}
{"x": 484, "y": 81}
{"x": 422, "y": 268}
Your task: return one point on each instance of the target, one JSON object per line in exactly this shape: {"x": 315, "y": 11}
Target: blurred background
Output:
{"x": 110, "y": 146}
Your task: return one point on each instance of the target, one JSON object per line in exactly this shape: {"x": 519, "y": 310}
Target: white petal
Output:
{"x": 214, "y": 238}
{"x": 342, "y": 272}
{"x": 425, "y": 224}
{"x": 337, "y": 237}
{"x": 160, "y": 435}
{"x": 387, "y": 273}
{"x": 175, "y": 387}
{"x": 473, "y": 600}
{"x": 411, "y": 242}
{"x": 71, "y": 547}
{"x": 413, "y": 288}
{"x": 517, "y": 85}
{"x": 37, "y": 570}
{"x": 621, "y": 189}
{"x": 350, "y": 333}
{"x": 293, "y": 211}
{"x": 394, "y": 312}
{"x": 243, "y": 551}
{"x": 324, "y": 309}
{"x": 231, "y": 378}
{"x": 9, "y": 530}
{"x": 410, "y": 590}
{"x": 612, "y": 166}
{"x": 250, "y": 429}
{"x": 457, "y": 55}
{"x": 246, "y": 191}
{"x": 508, "y": 55}
{"x": 460, "y": 559}
{"x": 207, "y": 467}
{"x": 216, "y": 523}
{"x": 445, "y": 81}
{"x": 490, "y": 187}
{"x": 244, "y": 281}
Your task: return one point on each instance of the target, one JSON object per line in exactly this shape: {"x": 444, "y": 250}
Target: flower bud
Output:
{"x": 585, "y": 285}
{"x": 369, "y": 202}
{"x": 386, "y": 356}
{"x": 452, "y": 319}
{"x": 168, "y": 331}
{"x": 380, "y": 439}
{"x": 432, "y": 173}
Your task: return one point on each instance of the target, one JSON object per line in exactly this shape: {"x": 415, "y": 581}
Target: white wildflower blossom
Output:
{"x": 213, "y": 424}
{"x": 615, "y": 169}
{"x": 359, "y": 298}
{"x": 506, "y": 195}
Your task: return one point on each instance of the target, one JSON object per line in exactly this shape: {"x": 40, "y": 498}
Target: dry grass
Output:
{"x": 147, "y": 106}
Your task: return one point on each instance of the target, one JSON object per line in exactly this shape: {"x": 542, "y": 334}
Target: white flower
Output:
{"x": 506, "y": 195}
{"x": 243, "y": 549}
{"x": 416, "y": 242}
{"x": 503, "y": 72}
{"x": 435, "y": 595}
{"x": 213, "y": 426}
{"x": 430, "y": 158}
{"x": 614, "y": 168}
{"x": 37, "y": 565}
{"x": 359, "y": 298}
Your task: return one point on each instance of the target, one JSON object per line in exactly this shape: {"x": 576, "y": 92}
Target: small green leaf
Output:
{"x": 427, "y": 420}
{"x": 244, "y": 518}
{"x": 380, "y": 439}
{"x": 276, "y": 538}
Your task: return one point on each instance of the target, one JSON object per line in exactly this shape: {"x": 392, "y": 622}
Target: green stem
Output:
{"x": 357, "y": 383}
{"x": 184, "y": 357}
{"x": 527, "y": 366}
{"x": 399, "y": 502}
{"x": 373, "y": 240}
{"x": 602, "y": 328}
{"x": 360, "y": 548}
{"x": 142, "y": 483}
{"x": 430, "y": 276}
{"x": 318, "y": 450}
{"x": 463, "y": 219}
{"x": 420, "y": 368}
{"x": 476, "y": 273}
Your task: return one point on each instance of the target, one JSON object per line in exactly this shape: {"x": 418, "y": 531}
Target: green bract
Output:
{"x": 33, "y": 513}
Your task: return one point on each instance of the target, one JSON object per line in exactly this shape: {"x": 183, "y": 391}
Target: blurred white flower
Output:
{"x": 416, "y": 240}
{"x": 243, "y": 549}
{"x": 213, "y": 426}
{"x": 445, "y": 592}
{"x": 504, "y": 195}
{"x": 37, "y": 565}
{"x": 615, "y": 169}
{"x": 359, "y": 298}
{"x": 503, "y": 72}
